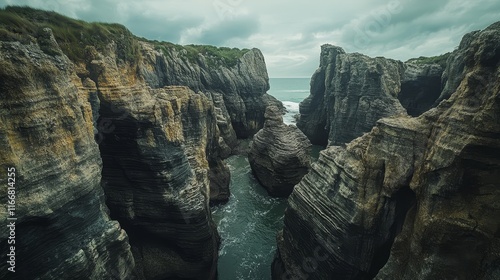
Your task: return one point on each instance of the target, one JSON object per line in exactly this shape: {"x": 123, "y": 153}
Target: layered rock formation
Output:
{"x": 62, "y": 227}
{"x": 161, "y": 147}
{"x": 416, "y": 198}
{"x": 155, "y": 178}
{"x": 420, "y": 87}
{"x": 349, "y": 93}
{"x": 455, "y": 66}
{"x": 239, "y": 90}
{"x": 279, "y": 154}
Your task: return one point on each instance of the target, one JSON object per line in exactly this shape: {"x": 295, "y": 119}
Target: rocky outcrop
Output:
{"x": 62, "y": 228}
{"x": 279, "y": 154}
{"x": 155, "y": 178}
{"x": 242, "y": 87}
{"x": 237, "y": 90}
{"x": 349, "y": 93}
{"x": 157, "y": 150}
{"x": 164, "y": 120}
{"x": 416, "y": 198}
{"x": 455, "y": 66}
{"x": 420, "y": 87}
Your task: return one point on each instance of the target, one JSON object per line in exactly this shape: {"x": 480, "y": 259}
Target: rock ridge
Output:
{"x": 46, "y": 134}
{"x": 103, "y": 121}
{"x": 349, "y": 93}
{"x": 415, "y": 198}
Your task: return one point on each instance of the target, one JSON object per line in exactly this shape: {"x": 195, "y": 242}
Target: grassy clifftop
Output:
{"x": 24, "y": 23}
{"x": 73, "y": 36}
{"x": 215, "y": 56}
{"x": 440, "y": 59}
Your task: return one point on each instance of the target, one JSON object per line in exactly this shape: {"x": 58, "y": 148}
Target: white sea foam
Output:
{"x": 291, "y": 106}
{"x": 292, "y": 110}
{"x": 295, "y": 90}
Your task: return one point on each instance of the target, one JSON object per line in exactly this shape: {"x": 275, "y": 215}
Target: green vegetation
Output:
{"x": 227, "y": 56}
{"x": 215, "y": 56}
{"x": 73, "y": 36}
{"x": 24, "y": 23}
{"x": 440, "y": 59}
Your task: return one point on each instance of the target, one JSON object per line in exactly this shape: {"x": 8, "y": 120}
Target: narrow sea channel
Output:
{"x": 247, "y": 224}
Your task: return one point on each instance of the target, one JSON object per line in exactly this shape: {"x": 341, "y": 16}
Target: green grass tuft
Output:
{"x": 440, "y": 59}
{"x": 23, "y": 24}
{"x": 73, "y": 36}
{"x": 215, "y": 56}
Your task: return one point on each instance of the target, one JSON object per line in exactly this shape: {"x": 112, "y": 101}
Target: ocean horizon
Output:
{"x": 290, "y": 91}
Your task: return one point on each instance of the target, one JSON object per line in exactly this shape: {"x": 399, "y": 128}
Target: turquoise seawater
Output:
{"x": 248, "y": 223}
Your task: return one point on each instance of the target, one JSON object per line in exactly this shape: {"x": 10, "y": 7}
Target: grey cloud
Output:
{"x": 160, "y": 29}
{"x": 228, "y": 29}
{"x": 413, "y": 25}
{"x": 288, "y": 32}
{"x": 100, "y": 10}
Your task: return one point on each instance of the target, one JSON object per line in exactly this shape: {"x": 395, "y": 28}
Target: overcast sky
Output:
{"x": 290, "y": 33}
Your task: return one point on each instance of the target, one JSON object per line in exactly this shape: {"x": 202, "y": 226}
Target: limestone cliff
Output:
{"x": 154, "y": 145}
{"x": 455, "y": 66}
{"x": 238, "y": 85}
{"x": 416, "y": 198}
{"x": 62, "y": 228}
{"x": 349, "y": 93}
{"x": 279, "y": 154}
{"x": 155, "y": 176}
{"x": 161, "y": 145}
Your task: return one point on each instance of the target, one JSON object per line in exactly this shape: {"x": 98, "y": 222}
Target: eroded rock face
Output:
{"x": 279, "y": 154}
{"x": 420, "y": 87}
{"x": 349, "y": 93}
{"x": 46, "y": 133}
{"x": 158, "y": 147}
{"x": 416, "y": 198}
{"x": 161, "y": 148}
{"x": 156, "y": 182}
{"x": 242, "y": 87}
{"x": 455, "y": 66}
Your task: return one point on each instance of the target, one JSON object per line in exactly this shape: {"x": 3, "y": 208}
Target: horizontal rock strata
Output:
{"x": 349, "y": 93}
{"x": 164, "y": 119}
{"x": 279, "y": 154}
{"x": 46, "y": 134}
{"x": 416, "y": 198}
{"x": 239, "y": 91}
{"x": 156, "y": 181}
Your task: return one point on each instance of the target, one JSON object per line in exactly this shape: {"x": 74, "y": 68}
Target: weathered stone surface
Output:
{"x": 155, "y": 178}
{"x": 349, "y": 93}
{"x": 63, "y": 230}
{"x": 420, "y": 87}
{"x": 161, "y": 148}
{"x": 242, "y": 87}
{"x": 279, "y": 154}
{"x": 455, "y": 66}
{"x": 421, "y": 193}
{"x": 157, "y": 146}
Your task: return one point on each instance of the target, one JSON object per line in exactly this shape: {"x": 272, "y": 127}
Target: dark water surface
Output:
{"x": 248, "y": 224}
